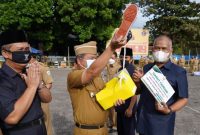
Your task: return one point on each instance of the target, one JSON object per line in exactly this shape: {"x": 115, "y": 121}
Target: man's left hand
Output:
{"x": 128, "y": 112}
{"x": 162, "y": 107}
{"x": 119, "y": 102}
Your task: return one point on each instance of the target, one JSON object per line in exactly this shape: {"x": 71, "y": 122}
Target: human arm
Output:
{"x": 129, "y": 110}
{"x": 23, "y": 103}
{"x": 165, "y": 109}
{"x": 137, "y": 75}
{"x": 182, "y": 92}
{"x": 99, "y": 64}
{"x": 45, "y": 93}
{"x": 44, "y": 89}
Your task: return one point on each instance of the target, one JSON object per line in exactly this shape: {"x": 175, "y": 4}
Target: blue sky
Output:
{"x": 141, "y": 21}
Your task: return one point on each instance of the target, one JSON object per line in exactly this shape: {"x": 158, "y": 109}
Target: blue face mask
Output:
{"x": 21, "y": 57}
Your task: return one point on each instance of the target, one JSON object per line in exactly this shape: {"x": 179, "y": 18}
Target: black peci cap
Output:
{"x": 12, "y": 36}
{"x": 129, "y": 52}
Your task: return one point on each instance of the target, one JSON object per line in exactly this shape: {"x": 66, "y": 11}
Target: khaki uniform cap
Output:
{"x": 89, "y": 47}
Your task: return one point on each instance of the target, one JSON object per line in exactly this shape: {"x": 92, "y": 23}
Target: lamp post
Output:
{"x": 71, "y": 38}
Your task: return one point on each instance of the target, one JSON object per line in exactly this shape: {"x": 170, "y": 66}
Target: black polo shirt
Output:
{"x": 12, "y": 87}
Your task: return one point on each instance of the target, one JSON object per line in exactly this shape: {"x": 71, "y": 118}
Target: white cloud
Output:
{"x": 141, "y": 21}
{"x": 197, "y": 1}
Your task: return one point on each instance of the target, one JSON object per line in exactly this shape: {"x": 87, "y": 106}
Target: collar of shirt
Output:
{"x": 166, "y": 65}
{"x": 8, "y": 70}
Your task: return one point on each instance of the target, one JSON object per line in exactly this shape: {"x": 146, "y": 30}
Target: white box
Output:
{"x": 158, "y": 85}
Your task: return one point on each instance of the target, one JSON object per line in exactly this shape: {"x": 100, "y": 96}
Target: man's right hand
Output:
{"x": 117, "y": 42}
{"x": 137, "y": 75}
{"x": 32, "y": 78}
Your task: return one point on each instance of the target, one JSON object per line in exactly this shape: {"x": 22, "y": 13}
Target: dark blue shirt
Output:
{"x": 122, "y": 108}
{"x": 12, "y": 87}
{"x": 152, "y": 122}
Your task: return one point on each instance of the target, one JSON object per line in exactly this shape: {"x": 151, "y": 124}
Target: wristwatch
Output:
{"x": 170, "y": 110}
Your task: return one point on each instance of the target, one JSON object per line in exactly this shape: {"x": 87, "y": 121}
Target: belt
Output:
{"x": 39, "y": 121}
{"x": 89, "y": 126}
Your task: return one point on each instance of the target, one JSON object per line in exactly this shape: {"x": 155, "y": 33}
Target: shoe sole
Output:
{"x": 129, "y": 16}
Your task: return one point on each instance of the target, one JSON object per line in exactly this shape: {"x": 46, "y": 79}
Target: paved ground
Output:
{"x": 187, "y": 122}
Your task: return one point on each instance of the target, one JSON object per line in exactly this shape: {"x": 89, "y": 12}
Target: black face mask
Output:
{"x": 21, "y": 57}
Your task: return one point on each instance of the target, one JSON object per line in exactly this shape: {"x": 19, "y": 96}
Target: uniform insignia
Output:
{"x": 26, "y": 56}
{"x": 92, "y": 94}
{"x": 48, "y": 72}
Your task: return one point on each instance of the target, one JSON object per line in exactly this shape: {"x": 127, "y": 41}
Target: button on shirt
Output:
{"x": 152, "y": 122}
{"x": 12, "y": 87}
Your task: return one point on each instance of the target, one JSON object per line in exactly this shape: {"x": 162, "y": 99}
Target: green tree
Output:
{"x": 51, "y": 21}
{"x": 35, "y": 16}
{"x": 178, "y": 18}
{"x": 90, "y": 19}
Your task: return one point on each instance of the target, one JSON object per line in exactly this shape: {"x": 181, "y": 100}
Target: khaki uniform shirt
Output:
{"x": 86, "y": 109}
{"x": 146, "y": 61}
{"x": 47, "y": 79}
{"x": 199, "y": 65}
{"x": 191, "y": 62}
{"x": 191, "y": 65}
{"x": 196, "y": 63}
{"x": 45, "y": 74}
{"x": 1, "y": 64}
{"x": 174, "y": 61}
{"x": 181, "y": 62}
{"x": 141, "y": 62}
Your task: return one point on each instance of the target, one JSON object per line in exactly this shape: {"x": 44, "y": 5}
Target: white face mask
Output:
{"x": 160, "y": 56}
{"x": 89, "y": 63}
{"x": 111, "y": 61}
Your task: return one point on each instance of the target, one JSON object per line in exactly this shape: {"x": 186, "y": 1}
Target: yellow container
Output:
{"x": 120, "y": 87}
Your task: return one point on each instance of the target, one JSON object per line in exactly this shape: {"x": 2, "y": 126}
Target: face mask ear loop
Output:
{"x": 124, "y": 57}
{"x": 82, "y": 66}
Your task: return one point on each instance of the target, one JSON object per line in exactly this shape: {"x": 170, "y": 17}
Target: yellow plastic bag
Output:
{"x": 120, "y": 87}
